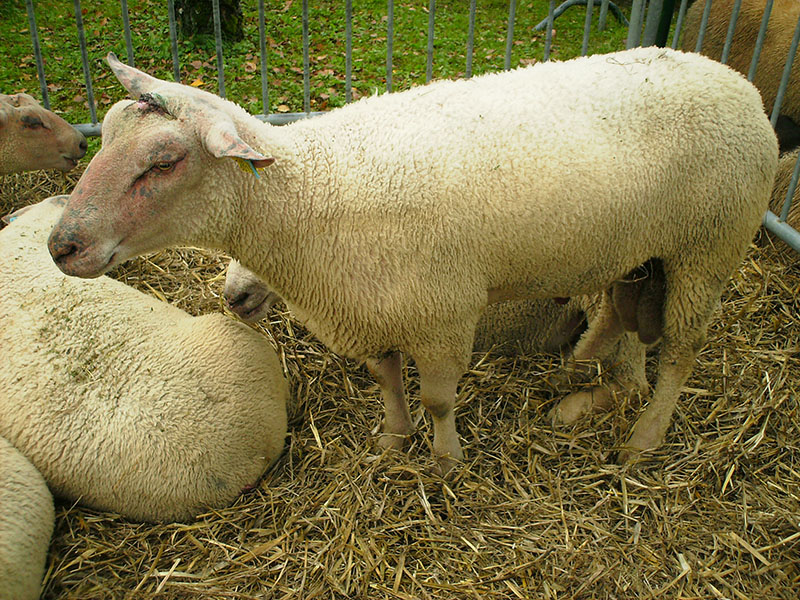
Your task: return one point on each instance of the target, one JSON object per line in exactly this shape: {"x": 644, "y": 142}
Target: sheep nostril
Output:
{"x": 60, "y": 252}
{"x": 83, "y": 145}
{"x": 238, "y": 300}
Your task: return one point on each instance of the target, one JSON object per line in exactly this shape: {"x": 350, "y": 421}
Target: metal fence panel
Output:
{"x": 645, "y": 21}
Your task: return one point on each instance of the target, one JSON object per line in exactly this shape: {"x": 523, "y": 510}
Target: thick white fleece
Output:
{"x": 123, "y": 402}
{"x": 26, "y": 524}
{"x": 391, "y": 223}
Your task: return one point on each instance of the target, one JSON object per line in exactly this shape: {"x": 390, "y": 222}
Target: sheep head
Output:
{"x": 161, "y": 154}
{"x": 32, "y": 137}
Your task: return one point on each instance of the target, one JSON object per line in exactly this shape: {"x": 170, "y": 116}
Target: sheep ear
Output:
{"x": 133, "y": 80}
{"x": 221, "y": 140}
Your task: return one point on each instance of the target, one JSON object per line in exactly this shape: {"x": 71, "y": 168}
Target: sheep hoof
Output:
{"x": 445, "y": 464}
{"x": 639, "y": 443}
{"x": 391, "y": 441}
{"x": 578, "y": 404}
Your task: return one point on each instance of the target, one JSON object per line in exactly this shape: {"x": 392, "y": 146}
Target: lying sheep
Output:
{"x": 775, "y": 51}
{"x": 391, "y": 223}
{"x": 26, "y": 524}
{"x": 123, "y": 402}
{"x": 32, "y": 137}
{"x": 517, "y": 326}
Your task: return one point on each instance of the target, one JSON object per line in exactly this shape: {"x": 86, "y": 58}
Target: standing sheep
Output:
{"x": 33, "y": 138}
{"x": 123, "y": 402}
{"x": 391, "y": 223}
{"x": 775, "y": 51}
{"x": 526, "y": 326}
{"x": 26, "y": 524}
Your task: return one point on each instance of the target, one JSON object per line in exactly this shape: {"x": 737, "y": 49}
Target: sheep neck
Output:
{"x": 280, "y": 222}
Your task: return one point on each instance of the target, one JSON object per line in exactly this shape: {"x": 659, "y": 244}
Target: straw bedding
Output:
{"x": 535, "y": 512}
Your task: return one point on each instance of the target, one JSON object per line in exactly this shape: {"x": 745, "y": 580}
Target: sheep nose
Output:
{"x": 83, "y": 145}
{"x": 238, "y": 301}
{"x": 61, "y": 251}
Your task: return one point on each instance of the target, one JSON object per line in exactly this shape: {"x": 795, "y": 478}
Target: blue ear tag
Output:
{"x": 244, "y": 163}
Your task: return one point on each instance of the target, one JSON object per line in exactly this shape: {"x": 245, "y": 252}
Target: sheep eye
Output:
{"x": 32, "y": 122}
{"x": 164, "y": 166}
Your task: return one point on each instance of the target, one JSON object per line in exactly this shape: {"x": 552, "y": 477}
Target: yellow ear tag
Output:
{"x": 247, "y": 166}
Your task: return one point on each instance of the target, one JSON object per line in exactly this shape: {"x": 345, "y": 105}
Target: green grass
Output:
{"x": 150, "y": 32}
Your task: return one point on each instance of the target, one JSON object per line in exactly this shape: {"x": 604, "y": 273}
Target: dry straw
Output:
{"x": 535, "y": 512}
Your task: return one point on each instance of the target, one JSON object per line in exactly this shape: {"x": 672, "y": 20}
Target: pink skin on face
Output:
{"x": 118, "y": 198}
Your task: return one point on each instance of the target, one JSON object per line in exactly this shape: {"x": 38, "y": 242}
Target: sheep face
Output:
{"x": 35, "y": 138}
{"x": 246, "y": 295}
{"x": 159, "y": 154}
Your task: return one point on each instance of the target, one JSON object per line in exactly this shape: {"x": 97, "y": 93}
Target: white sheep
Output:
{"x": 26, "y": 524}
{"x": 389, "y": 224}
{"x": 32, "y": 137}
{"x": 123, "y": 402}
{"x": 772, "y": 59}
{"x": 516, "y": 326}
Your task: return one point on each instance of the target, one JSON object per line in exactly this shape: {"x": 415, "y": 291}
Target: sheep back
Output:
{"x": 122, "y": 401}
{"x": 26, "y": 524}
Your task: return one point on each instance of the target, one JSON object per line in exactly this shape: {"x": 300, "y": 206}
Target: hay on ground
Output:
{"x": 534, "y": 512}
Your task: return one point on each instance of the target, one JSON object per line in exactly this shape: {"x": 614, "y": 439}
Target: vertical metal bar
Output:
{"x": 679, "y": 23}
{"x": 703, "y": 25}
{"x": 218, "y": 43}
{"x": 348, "y": 56}
{"x": 787, "y": 204}
{"x": 37, "y": 51}
{"x": 548, "y": 38}
{"x": 471, "y": 37}
{"x": 601, "y": 20}
{"x": 654, "y": 9}
{"x": 759, "y": 41}
{"x": 262, "y": 41}
{"x": 389, "y": 43}
{"x": 85, "y": 59}
{"x": 587, "y": 26}
{"x": 126, "y": 28}
{"x": 512, "y": 11}
{"x": 787, "y": 71}
{"x": 306, "y": 62}
{"x": 173, "y": 38}
{"x": 429, "y": 62}
{"x": 726, "y": 49}
{"x": 635, "y": 27}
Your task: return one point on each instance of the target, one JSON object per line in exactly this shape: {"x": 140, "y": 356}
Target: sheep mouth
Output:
{"x": 69, "y": 163}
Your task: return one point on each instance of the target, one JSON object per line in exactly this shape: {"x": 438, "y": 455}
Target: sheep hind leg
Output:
{"x": 438, "y": 382}
{"x": 397, "y": 424}
{"x": 597, "y": 342}
{"x": 625, "y": 375}
{"x": 688, "y": 309}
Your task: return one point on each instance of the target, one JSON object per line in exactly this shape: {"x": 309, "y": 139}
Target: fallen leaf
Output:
{"x": 197, "y": 82}
{"x": 282, "y": 108}
{"x": 196, "y": 64}
{"x": 250, "y": 67}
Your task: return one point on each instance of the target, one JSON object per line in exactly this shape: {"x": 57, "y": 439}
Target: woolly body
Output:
{"x": 26, "y": 524}
{"x": 774, "y": 52}
{"x": 123, "y": 402}
{"x": 525, "y": 327}
{"x": 391, "y": 223}
{"x": 32, "y": 137}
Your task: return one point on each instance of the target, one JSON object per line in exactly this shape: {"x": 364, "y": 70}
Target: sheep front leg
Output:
{"x": 438, "y": 382}
{"x": 397, "y": 424}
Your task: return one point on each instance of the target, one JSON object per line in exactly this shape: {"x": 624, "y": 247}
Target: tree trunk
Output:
{"x": 197, "y": 17}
